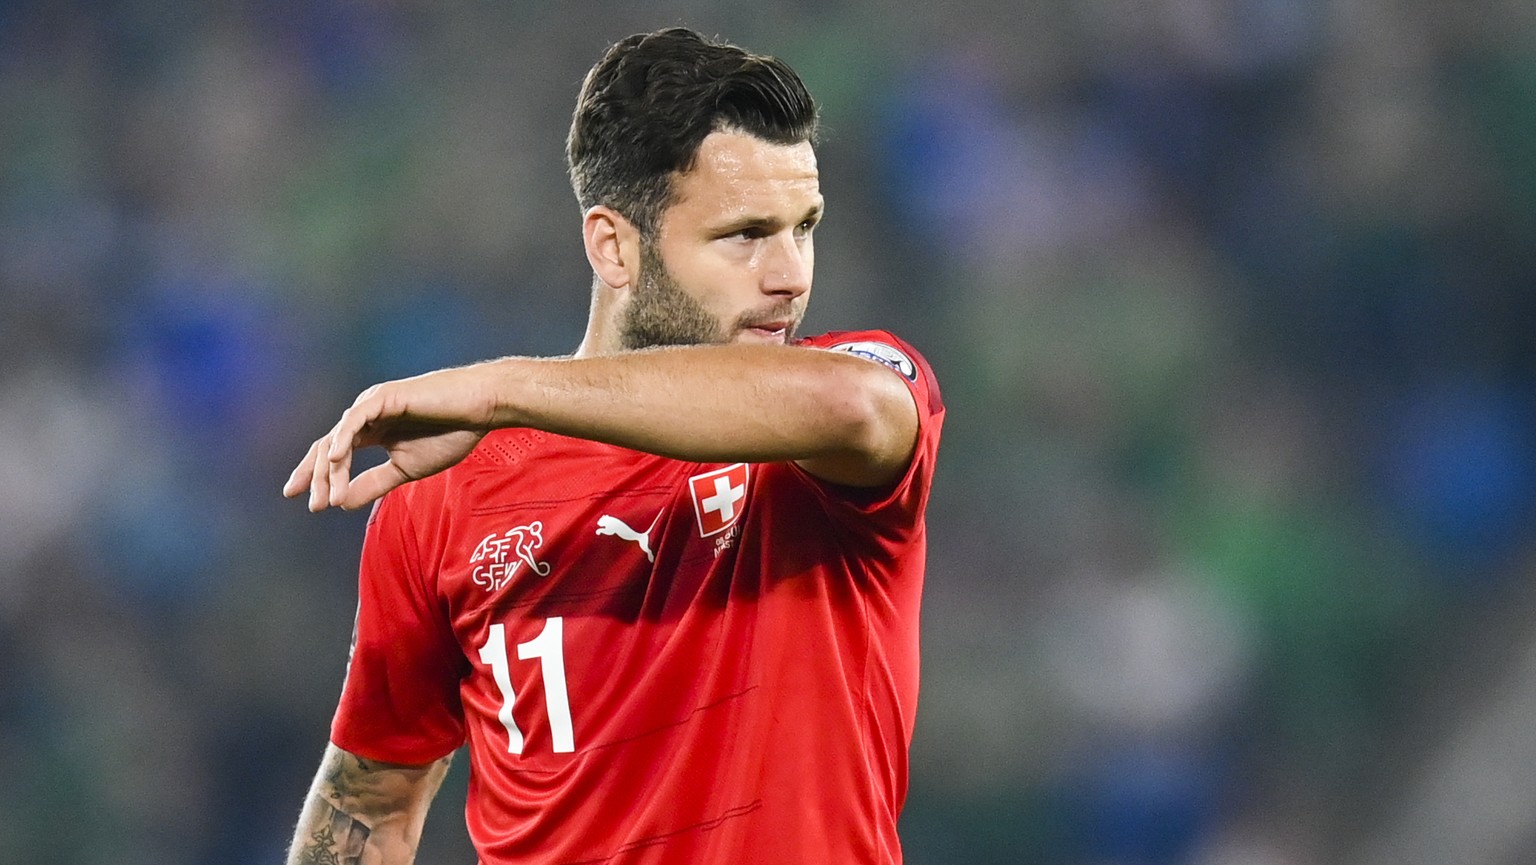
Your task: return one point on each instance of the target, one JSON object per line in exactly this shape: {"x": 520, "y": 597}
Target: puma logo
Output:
{"x": 607, "y": 525}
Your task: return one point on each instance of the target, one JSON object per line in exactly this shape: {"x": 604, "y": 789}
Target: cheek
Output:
{"x": 719, "y": 273}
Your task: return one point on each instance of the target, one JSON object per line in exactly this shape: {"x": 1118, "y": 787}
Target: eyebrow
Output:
{"x": 767, "y": 223}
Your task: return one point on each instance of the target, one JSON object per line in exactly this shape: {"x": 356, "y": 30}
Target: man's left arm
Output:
{"x": 842, "y": 418}
{"x": 362, "y": 810}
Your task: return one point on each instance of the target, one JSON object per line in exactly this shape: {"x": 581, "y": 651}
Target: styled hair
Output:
{"x": 648, "y": 104}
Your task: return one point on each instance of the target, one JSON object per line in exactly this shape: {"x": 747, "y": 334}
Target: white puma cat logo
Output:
{"x": 607, "y": 525}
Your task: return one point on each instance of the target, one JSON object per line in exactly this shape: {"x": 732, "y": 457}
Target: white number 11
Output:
{"x": 549, "y": 648}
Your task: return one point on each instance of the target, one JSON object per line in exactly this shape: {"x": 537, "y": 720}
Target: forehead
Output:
{"x": 736, "y": 174}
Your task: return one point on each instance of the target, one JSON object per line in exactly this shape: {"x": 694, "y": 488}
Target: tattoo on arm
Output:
{"x": 338, "y": 841}
{"x": 343, "y": 775}
{"x": 335, "y": 836}
{"x": 357, "y": 803}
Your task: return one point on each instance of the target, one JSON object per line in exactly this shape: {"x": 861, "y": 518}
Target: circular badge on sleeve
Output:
{"x": 879, "y": 352}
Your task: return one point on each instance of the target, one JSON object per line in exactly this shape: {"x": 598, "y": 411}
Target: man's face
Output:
{"x": 733, "y": 255}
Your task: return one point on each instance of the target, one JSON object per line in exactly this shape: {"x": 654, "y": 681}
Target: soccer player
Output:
{"x": 666, "y": 588}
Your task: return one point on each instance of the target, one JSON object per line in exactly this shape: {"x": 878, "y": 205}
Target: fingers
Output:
{"x": 316, "y": 474}
{"x": 320, "y": 477}
{"x": 346, "y": 437}
{"x": 327, "y": 467}
{"x": 372, "y": 484}
{"x": 298, "y": 480}
{"x": 338, "y": 469}
{"x": 367, "y": 407}
{"x": 329, "y": 483}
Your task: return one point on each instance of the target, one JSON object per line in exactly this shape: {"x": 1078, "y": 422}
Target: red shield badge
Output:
{"x": 719, "y": 497}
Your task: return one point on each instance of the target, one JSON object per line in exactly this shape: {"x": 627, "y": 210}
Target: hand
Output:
{"x": 425, "y": 424}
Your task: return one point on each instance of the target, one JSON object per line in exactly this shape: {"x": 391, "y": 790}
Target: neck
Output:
{"x": 602, "y": 334}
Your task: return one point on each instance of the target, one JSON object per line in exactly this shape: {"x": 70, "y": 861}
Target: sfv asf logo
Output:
{"x": 719, "y": 498}
{"x": 498, "y": 557}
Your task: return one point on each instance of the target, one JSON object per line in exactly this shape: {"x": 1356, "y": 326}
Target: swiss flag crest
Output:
{"x": 719, "y": 497}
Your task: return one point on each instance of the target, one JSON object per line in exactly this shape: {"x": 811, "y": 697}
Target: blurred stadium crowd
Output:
{"x": 1232, "y": 301}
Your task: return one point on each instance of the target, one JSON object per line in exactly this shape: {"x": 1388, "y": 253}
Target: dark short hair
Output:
{"x": 648, "y": 104}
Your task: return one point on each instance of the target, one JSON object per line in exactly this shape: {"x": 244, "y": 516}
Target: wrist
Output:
{"x": 504, "y": 390}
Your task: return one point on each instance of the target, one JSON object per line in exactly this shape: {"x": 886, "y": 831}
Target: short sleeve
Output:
{"x": 893, "y": 512}
{"x": 400, "y": 703}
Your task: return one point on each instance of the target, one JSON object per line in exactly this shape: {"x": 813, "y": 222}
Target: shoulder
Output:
{"x": 880, "y": 346}
{"x": 888, "y": 349}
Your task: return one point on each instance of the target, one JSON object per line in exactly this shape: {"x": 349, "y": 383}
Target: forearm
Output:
{"x": 748, "y": 403}
{"x": 841, "y": 418}
{"x": 361, "y": 811}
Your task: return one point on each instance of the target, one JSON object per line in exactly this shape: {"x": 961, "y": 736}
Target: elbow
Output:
{"x": 870, "y": 415}
{"x": 377, "y": 791}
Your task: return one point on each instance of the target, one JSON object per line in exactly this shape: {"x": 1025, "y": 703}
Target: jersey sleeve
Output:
{"x": 893, "y": 512}
{"x": 400, "y": 703}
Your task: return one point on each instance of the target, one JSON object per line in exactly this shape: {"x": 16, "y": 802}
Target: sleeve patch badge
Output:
{"x": 717, "y": 497}
{"x": 879, "y": 352}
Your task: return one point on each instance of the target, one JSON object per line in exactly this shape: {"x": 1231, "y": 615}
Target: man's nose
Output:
{"x": 786, "y": 266}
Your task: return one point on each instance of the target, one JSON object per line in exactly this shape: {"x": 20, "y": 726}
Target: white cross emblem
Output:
{"x": 719, "y": 497}
{"x": 723, "y": 502}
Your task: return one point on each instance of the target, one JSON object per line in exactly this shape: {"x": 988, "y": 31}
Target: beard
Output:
{"x": 662, "y": 313}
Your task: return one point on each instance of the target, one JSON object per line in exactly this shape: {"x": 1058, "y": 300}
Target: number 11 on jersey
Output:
{"x": 549, "y": 648}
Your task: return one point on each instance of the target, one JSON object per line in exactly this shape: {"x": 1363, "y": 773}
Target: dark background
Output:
{"x": 1232, "y": 302}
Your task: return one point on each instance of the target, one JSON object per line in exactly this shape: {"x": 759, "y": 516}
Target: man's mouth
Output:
{"x": 771, "y": 331}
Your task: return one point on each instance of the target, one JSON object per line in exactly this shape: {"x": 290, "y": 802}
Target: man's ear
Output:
{"x": 613, "y": 246}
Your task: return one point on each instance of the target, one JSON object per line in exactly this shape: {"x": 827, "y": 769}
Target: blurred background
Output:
{"x": 1232, "y": 302}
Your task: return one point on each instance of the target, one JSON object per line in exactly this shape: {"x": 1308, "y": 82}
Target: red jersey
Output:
{"x": 653, "y": 661}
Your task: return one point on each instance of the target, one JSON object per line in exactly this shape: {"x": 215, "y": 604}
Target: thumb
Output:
{"x": 372, "y": 484}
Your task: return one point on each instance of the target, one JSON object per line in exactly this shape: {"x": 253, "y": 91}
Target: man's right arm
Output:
{"x": 358, "y": 805}
{"x": 844, "y": 419}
